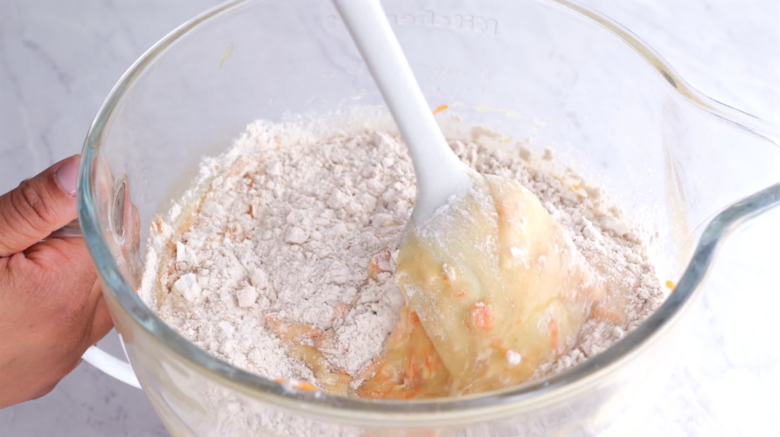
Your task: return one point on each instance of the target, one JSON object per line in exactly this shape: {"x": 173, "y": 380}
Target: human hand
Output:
{"x": 51, "y": 305}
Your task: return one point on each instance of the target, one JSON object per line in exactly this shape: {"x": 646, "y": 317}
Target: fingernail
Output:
{"x": 67, "y": 175}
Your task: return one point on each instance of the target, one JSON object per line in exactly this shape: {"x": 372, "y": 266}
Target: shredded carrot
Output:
{"x": 670, "y": 285}
{"x": 447, "y": 274}
{"x": 408, "y": 394}
{"x": 379, "y": 263}
{"x": 293, "y": 332}
{"x": 603, "y": 313}
{"x": 429, "y": 364}
{"x": 306, "y": 386}
{"x": 553, "y": 327}
{"x": 480, "y": 318}
{"x": 411, "y": 369}
{"x": 508, "y": 208}
{"x": 440, "y": 108}
{"x": 299, "y": 385}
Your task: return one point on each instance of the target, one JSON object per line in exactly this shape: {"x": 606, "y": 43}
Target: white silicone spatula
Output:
{"x": 438, "y": 170}
{"x": 493, "y": 273}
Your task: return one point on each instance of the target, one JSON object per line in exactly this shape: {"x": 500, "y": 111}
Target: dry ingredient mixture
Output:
{"x": 284, "y": 266}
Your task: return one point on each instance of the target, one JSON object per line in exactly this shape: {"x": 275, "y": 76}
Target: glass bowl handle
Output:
{"x": 111, "y": 365}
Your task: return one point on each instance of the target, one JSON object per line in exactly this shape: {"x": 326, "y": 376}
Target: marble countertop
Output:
{"x": 59, "y": 59}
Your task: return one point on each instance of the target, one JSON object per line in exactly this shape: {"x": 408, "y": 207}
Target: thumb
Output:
{"x": 38, "y": 206}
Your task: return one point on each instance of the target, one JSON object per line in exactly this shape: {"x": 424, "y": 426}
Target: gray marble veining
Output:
{"x": 59, "y": 59}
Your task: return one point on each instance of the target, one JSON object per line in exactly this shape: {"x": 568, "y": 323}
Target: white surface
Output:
{"x": 59, "y": 59}
{"x": 438, "y": 171}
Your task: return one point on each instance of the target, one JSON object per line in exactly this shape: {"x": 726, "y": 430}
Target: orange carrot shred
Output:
{"x": 553, "y": 327}
{"x": 440, "y": 108}
{"x": 480, "y": 318}
{"x": 299, "y": 385}
{"x": 414, "y": 318}
{"x": 603, "y": 313}
{"x": 306, "y": 386}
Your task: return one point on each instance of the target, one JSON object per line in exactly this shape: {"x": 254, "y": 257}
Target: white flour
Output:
{"x": 290, "y": 224}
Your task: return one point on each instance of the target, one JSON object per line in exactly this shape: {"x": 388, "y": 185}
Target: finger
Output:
{"x": 38, "y": 206}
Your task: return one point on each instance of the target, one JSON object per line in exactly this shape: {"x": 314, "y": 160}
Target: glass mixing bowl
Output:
{"x": 549, "y": 74}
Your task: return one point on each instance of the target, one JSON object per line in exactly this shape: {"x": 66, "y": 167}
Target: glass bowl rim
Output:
{"x": 447, "y": 410}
